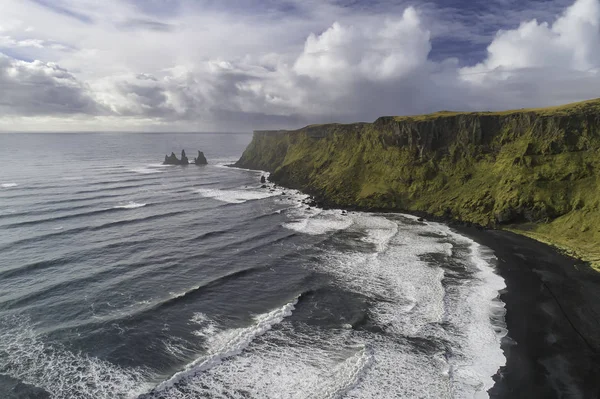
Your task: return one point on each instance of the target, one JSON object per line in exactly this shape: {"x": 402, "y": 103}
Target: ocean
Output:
{"x": 124, "y": 278}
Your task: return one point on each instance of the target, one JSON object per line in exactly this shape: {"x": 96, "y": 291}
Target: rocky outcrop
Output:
{"x": 172, "y": 159}
{"x": 200, "y": 159}
{"x": 536, "y": 171}
{"x": 184, "y": 159}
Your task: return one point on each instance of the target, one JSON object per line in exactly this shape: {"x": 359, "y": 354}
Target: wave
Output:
{"x": 320, "y": 222}
{"x": 227, "y": 344}
{"x": 78, "y": 283}
{"x": 116, "y": 188}
{"x": 237, "y": 196}
{"x": 8, "y": 185}
{"x": 70, "y": 200}
{"x": 191, "y": 294}
{"x": 484, "y": 328}
{"x": 77, "y": 230}
{"x": 136, "y": 221}
{"x": 148, "y": 170}
{"x": 413, "y": 297}
{"x": 344, "y": 377}
{"x": 210, "y": 234}
{"x": 133, "y": 180}
{"x": 35, "y": 212}
{"x": 130, "y": 205}
{"x": 62, "y": 373}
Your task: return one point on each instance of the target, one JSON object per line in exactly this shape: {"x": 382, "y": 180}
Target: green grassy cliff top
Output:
{"x": 560, "y": 110}
{"x": 534, "y": 171}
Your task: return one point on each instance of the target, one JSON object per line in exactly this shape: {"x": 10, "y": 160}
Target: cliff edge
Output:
{"x": 532, "y": 171}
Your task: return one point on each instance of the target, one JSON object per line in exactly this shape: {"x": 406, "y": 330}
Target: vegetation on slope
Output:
{"x": 534, "y": 171}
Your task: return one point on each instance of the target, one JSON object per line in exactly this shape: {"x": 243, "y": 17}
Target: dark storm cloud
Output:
{"x": 39, "y": 88}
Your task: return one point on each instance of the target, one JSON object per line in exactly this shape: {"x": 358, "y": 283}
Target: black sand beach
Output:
{"x": 553, "y": 320}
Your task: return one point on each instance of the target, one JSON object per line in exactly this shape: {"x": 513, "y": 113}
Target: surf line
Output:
{"x": 232, "y": 347}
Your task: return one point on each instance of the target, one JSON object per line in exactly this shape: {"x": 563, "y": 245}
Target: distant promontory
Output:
{"x": 532, "y": 171}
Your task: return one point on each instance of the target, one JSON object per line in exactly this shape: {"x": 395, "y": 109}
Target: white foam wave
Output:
{"x": 479, "y": 303}
{"x": 344, "y": 376}
{"x": 413, "y": 304}
{"x": 287, "y": 362}
{"x": 413, "y": 301}
{"x": 8, "y": 185}
{"x": 237, "y": 196}
{"x": 150, "y": 169}
{"x": 130, "y": 205}
{"x": 317, "y": 222}
{"x": 229, "y": 343}
{"x": 207, "y": 326}
{"x": 64, "y": 374}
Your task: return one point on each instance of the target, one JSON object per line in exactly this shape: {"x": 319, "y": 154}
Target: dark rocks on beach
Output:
{"x": 200, "y": 159}
{"x": 263, "y": 179}
{"x": 420, "y": 220}
{"x": 263, "y": 186}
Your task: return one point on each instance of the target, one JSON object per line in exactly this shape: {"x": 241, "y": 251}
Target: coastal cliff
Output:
{"x": 532, "y": 171}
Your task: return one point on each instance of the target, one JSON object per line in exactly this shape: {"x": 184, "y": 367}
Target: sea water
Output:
{"x": 124, "y": 278}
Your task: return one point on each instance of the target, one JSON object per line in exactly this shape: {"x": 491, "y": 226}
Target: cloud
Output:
{"x": 386, "y": 51}
{"x": 540, "y": 63}
{"x": 139, "y": 23}
{"x": 204, "y": 65}
{"x": 38, "y": 88}
{"x": 572, "y": 42}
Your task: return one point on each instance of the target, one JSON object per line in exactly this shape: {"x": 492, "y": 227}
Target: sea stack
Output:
{"x": 200, "y": 159}
{"x": 172, "y": 159}
{"x": 184, "y": 159}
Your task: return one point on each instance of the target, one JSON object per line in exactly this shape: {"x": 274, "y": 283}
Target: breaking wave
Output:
{"x": 225, "y": 345}
{"x": 62, "y": 373}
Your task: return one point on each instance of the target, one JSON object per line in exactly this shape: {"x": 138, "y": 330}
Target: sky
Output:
{"x": 239, "y": 65}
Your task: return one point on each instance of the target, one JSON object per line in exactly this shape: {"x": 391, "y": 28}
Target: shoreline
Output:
{"x": 552, "y": 304}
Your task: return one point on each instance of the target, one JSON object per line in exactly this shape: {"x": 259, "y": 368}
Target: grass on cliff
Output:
{"x": 538, "y": 173}
{"x": 560, "y": 110}
{"x": 576, "y": 233}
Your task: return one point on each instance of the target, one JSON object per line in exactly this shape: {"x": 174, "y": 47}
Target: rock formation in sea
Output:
{"x": 533, "y": 171}
{"x": 173, "y": 160}
{"x": 184, "y": 159}
{"x": 200, "y": 159}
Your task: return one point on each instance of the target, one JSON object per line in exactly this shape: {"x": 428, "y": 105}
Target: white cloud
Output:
{"x": 375, "y": 52}
{"x": 211, "y": 69}
{"x": 572, "y": 42}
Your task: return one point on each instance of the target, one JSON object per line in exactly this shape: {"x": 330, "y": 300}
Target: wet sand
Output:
{"x": 553, "y": 320}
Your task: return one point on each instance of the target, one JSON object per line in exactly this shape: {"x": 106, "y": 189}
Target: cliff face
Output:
{"x": 533, "y": 171}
